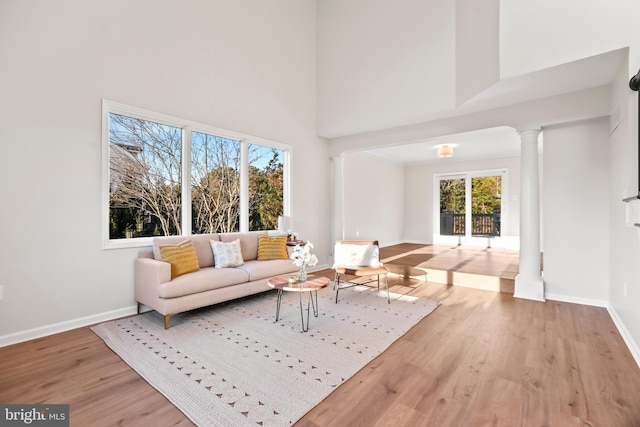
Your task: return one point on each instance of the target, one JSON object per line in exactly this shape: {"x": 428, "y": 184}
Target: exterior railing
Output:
{"x": 453, "y": 224}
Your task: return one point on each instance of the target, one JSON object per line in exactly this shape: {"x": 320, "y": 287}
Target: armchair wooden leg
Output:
{"x": 336, "y": 282}
{"x": 139, "y": 308}
{"x": 386, "y": 281}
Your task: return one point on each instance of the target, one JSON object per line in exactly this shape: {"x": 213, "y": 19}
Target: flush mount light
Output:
{"x": 445, "y": 151}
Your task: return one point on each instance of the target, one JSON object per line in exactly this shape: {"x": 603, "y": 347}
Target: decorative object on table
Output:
{"x": 292, "y": 236}
{"x": 303, "y": 258}
{"x": 284, "y": 223}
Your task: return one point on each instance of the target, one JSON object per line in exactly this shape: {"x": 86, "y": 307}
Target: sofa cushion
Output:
{"x": 258, "y": 270}
{"x": 204, "y": 280}
{"x": 248, "y": 242}
{"x": 201, "y": 242}
{"x": 272, "y": 247}
{"x": 227, "y": 254}
{"x": 182, "y": 258}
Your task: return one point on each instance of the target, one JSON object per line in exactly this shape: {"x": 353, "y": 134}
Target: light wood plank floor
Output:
{"x": 481, "y": 268}
{"x": 481, "y": 359}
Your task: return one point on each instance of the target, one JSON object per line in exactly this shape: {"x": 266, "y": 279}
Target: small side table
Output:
{"x": 310, "y": 286}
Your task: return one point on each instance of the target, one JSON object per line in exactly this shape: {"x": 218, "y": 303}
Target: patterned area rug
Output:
{"x": 232, "y": 365}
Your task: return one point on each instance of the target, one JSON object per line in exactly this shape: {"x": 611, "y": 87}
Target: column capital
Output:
{"x": 529, "y": 134}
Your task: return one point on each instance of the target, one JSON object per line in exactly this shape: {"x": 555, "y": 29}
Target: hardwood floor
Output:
{"x": 482, "y": 358}
{"x": 480, "y": 268}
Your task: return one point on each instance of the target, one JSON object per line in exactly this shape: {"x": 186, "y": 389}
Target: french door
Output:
{"x": 469, "y": 207}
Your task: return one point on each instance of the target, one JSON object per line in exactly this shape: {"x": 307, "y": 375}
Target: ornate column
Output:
{"x": 529, "y": 283}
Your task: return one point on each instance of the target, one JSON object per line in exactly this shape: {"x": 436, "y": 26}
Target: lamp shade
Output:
{"x": 284, "y": 223}
{"x": 445, "y": 151}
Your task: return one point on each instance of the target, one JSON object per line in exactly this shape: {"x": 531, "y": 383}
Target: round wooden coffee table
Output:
{"x": 309, "y": 286}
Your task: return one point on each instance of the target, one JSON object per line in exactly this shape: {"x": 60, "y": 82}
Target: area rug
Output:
{"x": 232, "y": 365}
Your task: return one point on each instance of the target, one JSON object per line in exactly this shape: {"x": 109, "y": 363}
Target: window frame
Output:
{"x": 187, "y": 127}
{"x": 468, "y": 238}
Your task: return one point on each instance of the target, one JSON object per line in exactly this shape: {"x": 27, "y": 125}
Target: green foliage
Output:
{"x": 266, "y": 194}
{"x": 485, "y": 206}
{"x": 486, "y": 194}
{"x": 452, "y": 195}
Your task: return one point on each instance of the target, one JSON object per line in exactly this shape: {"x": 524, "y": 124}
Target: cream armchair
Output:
{"x": 360, "y": 258}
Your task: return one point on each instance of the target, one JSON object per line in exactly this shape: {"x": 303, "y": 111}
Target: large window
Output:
{"x": 165, "y": 176}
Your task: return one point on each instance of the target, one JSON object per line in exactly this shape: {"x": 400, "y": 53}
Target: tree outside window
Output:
{"x": 485, "y": 205}
{"x": 215, "y": 183}
{"x": 266, "y": 189}
{"x": 146, "y": 180}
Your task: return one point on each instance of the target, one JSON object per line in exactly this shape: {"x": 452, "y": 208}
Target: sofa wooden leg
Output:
{"x": 167, "y": 318}
{"x": 139, "y": 308}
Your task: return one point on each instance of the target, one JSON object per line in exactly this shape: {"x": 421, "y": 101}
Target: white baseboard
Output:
{"x": 576, "y": 300}
{"x": 43, "y": 331}
{"x": 397, "y": 242}
{"x": 319, "y": 267}
{"x": 55, "y": 328}
{"x": 414, "y": 242}
{"x": 626, "y": 336}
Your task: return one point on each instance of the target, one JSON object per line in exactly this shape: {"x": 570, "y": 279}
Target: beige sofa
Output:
{"x": 155, "y": 288}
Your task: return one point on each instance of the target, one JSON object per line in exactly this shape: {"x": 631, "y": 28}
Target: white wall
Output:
{"x": 373, "y": 199}
{"x": 624, "y": 275}
{"x": 419, "y": 196}
{"x": 477, "y": 58}
{"x": 383, "y": 63}
{"x": 576, "y": 211}
{"x": 241, "y": 65}
{"x": 540, "y": 34}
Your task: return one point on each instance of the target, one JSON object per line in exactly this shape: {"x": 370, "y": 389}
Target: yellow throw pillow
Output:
{"x": 182, "y": 257}
{"x": 272, "y": 247}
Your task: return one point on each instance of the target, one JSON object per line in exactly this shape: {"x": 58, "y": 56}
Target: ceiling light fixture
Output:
{"x": 445, "y": 151}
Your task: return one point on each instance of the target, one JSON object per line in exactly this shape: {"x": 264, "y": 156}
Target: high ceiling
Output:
{"x": 584, "y": 74}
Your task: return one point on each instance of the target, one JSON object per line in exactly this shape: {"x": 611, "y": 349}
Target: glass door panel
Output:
{"x": 486, "y": 201}
{"x": 452, "y": 206}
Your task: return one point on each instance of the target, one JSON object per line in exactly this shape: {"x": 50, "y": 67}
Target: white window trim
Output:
{"x": 187, "y": 127}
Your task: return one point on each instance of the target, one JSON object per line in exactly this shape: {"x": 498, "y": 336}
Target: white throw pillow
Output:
{"x": 227, "y": 254}
{"x": 346, "y": 254}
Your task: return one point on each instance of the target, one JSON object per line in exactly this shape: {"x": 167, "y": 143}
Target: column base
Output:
{"x": 529, "y": 288}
